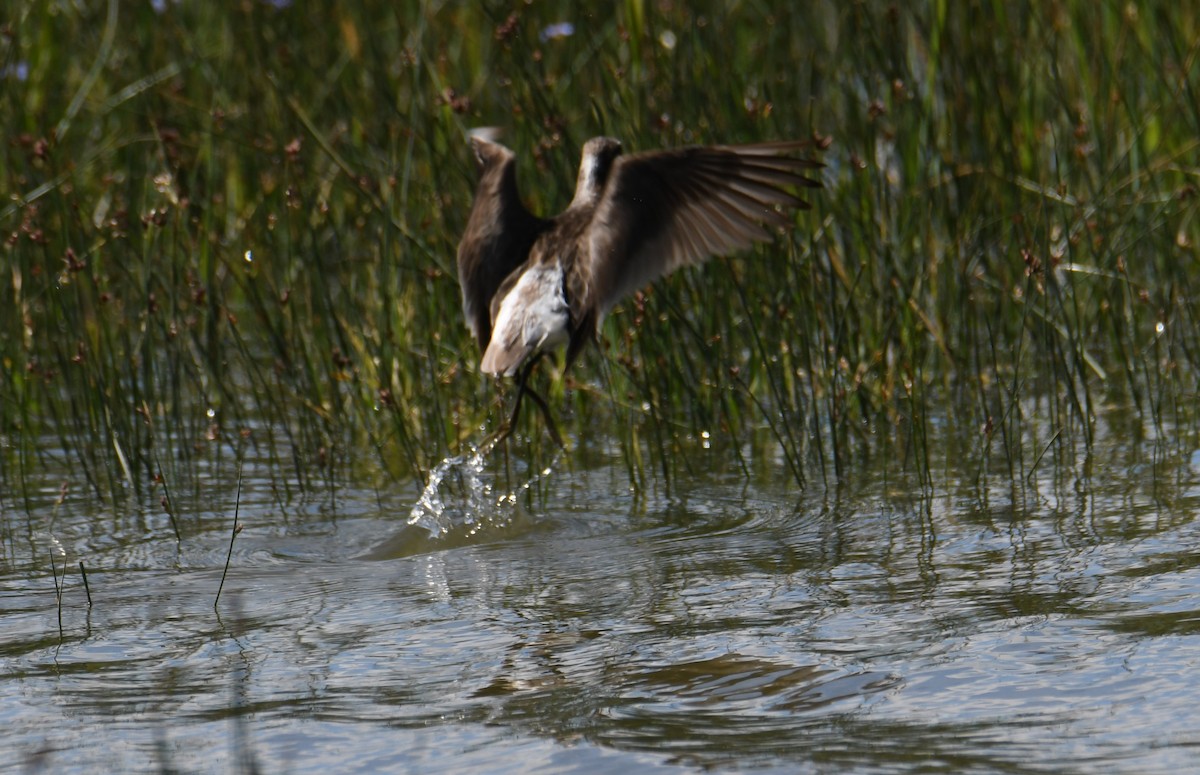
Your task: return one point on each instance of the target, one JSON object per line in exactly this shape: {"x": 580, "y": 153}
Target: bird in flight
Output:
{"x": 531, "y": 285}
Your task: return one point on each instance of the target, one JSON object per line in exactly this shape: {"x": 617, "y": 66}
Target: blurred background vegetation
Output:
{"x": 232, "y": 226}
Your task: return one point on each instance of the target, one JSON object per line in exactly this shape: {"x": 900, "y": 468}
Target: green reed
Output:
{"x": 236, "y": 225}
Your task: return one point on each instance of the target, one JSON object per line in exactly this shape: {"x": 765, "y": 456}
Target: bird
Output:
{"x": 531, "y": 285}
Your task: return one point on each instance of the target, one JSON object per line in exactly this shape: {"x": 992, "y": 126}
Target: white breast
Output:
{"x": 533, "y": 316}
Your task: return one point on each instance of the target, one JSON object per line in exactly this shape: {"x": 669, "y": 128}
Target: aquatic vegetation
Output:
{"x": 233, "y": 229}
{"x": 922, "y": 467}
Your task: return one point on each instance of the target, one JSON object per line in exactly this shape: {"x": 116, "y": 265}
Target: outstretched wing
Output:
{"x": 499, "y": 233}
{"x": 665, "y": 209}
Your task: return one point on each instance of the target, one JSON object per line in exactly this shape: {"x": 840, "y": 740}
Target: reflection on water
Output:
{"x": 492, "y": 627}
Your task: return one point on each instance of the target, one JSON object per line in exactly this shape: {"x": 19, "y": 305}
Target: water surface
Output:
{"x": 1048, "y": 625}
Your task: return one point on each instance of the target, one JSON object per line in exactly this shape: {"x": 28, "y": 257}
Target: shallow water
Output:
{"x": 574, "y": 627}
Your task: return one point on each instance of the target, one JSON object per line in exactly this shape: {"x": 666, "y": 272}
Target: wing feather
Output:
{"x": 666, "y": 209}
{"x": 498, "y": 236}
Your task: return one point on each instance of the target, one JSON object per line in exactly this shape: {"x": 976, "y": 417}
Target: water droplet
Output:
{"x": 249, "y": 256}
{"x": 211, "y": 413}
{"x": 1159, "y": 327}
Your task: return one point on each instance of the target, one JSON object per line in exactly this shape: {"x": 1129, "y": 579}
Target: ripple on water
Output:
{"x": 573, "y": 626}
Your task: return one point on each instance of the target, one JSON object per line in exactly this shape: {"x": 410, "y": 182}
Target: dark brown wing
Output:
{"x": 666, "y": 209}
{"x": 499, "y": 233}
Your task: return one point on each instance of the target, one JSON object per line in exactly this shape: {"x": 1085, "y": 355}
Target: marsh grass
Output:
{"x": 236, "y": 225}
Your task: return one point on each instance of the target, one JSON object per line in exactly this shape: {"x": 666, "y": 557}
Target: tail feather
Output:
{"x": 501, "y": 361}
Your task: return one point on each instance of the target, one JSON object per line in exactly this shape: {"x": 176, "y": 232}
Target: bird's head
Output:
{"x": 599, "y": 153}
{"x": 489, "y": 153}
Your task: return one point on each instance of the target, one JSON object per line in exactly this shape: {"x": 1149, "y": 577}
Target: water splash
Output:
{"x": 461, "y": 497}
{"x": 466, "y": 492}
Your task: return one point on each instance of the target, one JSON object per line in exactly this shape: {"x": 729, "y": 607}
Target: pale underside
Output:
{"x": 533, "y": 316}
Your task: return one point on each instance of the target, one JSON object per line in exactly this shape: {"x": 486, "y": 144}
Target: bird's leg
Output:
{"x": 550, "y": 426}
{"x": 523, "y": 389}
{"x": 522, "y": 380}
{"x": 537, "y": 399}
{"x": 509, "y": 425}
